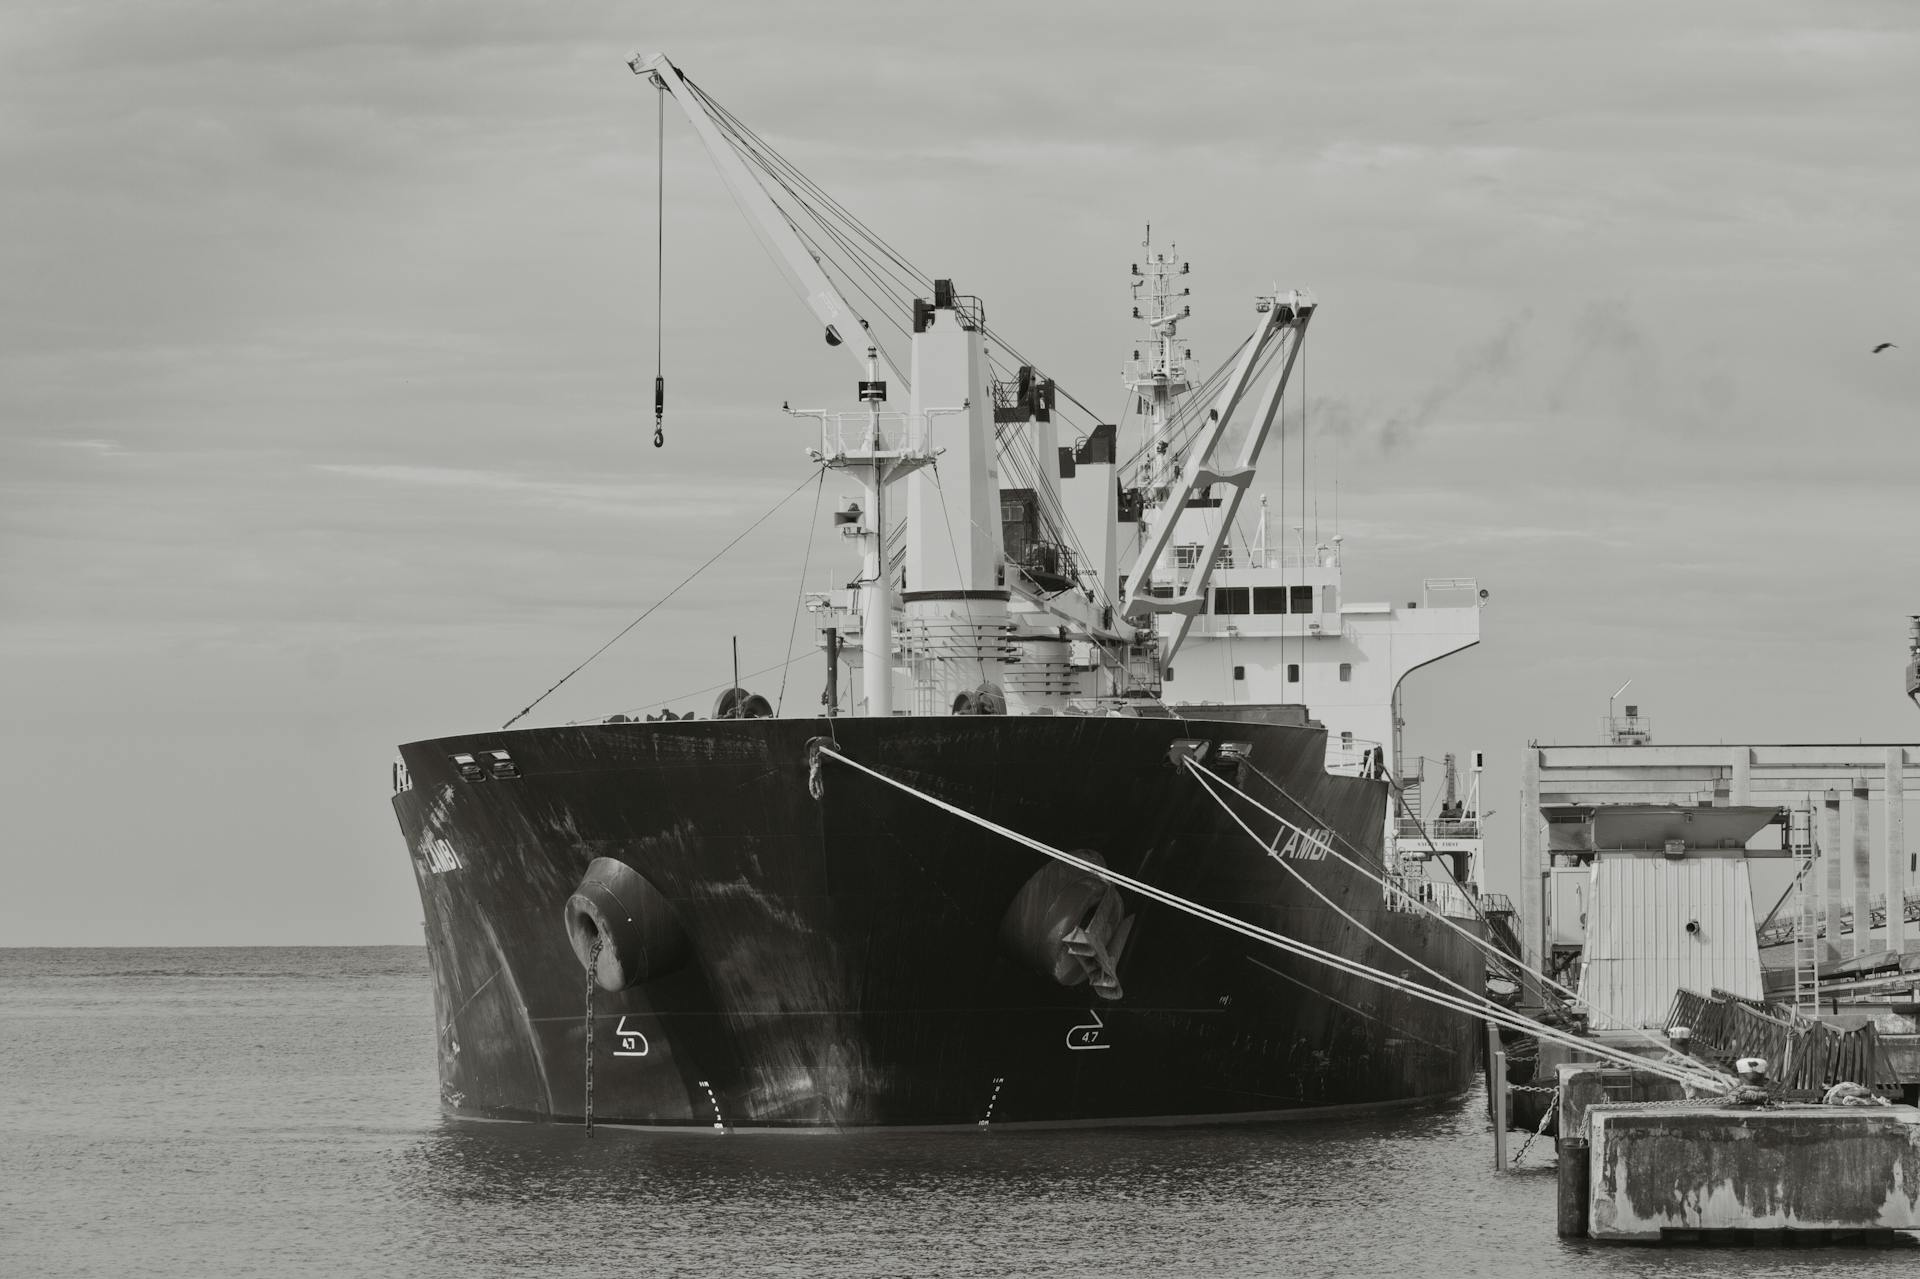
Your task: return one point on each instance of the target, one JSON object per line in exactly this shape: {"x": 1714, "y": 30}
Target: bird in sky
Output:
{"x": 1884, "y": 346}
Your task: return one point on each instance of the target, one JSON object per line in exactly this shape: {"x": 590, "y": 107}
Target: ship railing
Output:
{"x": 857, "y": 435}
{"x": 1319, "y": 557}
{"x": 1451, "y": 589}
{"x": 1409, "y": 891}
{"x": 1120, "y": 707}
{"x": 1349, "y": 756}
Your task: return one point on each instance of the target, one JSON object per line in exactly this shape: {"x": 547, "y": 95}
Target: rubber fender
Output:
{"x": 632, "y": 920}
{"x": 1055, "y": 902}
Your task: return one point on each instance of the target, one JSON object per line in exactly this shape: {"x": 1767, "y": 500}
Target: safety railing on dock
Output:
{"x": 1780, "y": 930}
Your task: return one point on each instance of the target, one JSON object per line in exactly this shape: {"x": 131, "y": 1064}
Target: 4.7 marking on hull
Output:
{"x": 1084, "y": 1039}
{"x": 632, "y": 1042}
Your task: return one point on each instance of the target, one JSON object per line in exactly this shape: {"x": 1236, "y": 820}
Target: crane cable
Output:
{"x": 659, "y": 267}
{"x": 768, "y": 514}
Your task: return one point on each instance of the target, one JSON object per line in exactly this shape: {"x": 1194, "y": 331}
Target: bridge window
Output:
{"x": 1346, "y": 672}
{"x": 1293, "y": 672}
{"x": 1240, "y": 672}
{"x": 1230, "y": 600}
{"x": 1302, "y": 600}
{"x": 1269, "y": 599}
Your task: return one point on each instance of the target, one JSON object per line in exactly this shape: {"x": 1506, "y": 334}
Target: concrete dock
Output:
{"x": 1640, "y": 1162}
{"x": 1708, "y": 1171}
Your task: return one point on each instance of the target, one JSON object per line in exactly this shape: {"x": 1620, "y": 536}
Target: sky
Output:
{"x": 328, "y": 334}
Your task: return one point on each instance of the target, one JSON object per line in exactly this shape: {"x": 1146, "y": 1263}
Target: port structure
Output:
{"x": 1825, "y": 793}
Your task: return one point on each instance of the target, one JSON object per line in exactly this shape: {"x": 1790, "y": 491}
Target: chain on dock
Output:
{"x": 1546, "y": 1117}
{"x": 593, "y": 970}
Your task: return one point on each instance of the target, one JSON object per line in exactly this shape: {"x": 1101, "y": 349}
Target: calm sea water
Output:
{"x": 274, "y": 1112}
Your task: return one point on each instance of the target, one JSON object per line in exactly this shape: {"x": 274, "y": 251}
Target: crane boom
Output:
{"x": 844, "y": 326}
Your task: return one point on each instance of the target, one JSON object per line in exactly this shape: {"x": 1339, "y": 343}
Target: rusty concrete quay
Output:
{"x": 1708, "y": 1171}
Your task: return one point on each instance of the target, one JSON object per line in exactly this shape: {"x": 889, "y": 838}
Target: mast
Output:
{"x": 877, "y": 447}
{"x": 1159, "y": 376}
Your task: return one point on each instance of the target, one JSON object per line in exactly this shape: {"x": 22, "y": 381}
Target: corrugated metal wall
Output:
{"x": 1638, "y": 948}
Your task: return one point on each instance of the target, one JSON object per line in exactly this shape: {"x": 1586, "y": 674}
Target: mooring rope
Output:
{"x": 1311, "y": 887}
{"x": 1486, "y": 946}
{"x": 1483, "y": 1008}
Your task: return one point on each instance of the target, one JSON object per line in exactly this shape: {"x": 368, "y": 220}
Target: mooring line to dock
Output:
{"x": 1311, "y": 887}
{"x": 1379, "y": 878}
{"x": 1483, "y": 1008}
{"x": 1202, "y": 774}
{"x": 1486, "y": 946}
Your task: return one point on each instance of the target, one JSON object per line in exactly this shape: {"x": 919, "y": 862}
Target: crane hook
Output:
{"x": 659, "y": 438}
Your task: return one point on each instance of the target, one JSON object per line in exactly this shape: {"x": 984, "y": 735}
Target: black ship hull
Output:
{"x": 858, "y": 957}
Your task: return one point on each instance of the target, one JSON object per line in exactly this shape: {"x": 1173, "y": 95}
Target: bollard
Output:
{"x": 1576, "y": 1171}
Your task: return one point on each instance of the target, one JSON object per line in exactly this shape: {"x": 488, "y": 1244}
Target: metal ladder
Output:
{"x": 1806, "y": 920}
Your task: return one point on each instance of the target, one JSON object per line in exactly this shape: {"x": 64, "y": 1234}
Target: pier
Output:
{"x": 1638, "y": 886}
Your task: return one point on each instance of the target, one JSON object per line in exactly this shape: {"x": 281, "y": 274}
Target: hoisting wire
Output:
{"x": 662, "y": 600}
{"x": 878, "y": 259}
{"x": 800, "y": 595}
{"x": 660, "y": 268}
{"x": 966, "y": 603}
{"x": 1483, "y": 1007}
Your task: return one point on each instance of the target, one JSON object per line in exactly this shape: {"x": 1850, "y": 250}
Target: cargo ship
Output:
{"x": 767, "y": 921}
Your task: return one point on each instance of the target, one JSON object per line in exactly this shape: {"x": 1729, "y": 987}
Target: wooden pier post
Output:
{"x": 1497, "y": 1095}
{"x": 1830, "y": 848}
{"x": 1862, "y": 851}
{"x": 1575, "y": 1187}
{"x": 1893, "y": 842}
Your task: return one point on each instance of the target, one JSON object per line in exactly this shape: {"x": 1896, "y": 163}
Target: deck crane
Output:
{"x": 1279, "y": 330}
{"x": 1281, "y": 327}
{"x": 873, "y": 459}
{"x": 776, "y": 233}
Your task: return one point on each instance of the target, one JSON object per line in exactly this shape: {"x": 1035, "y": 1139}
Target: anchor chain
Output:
{"x": 593, "y": 970}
